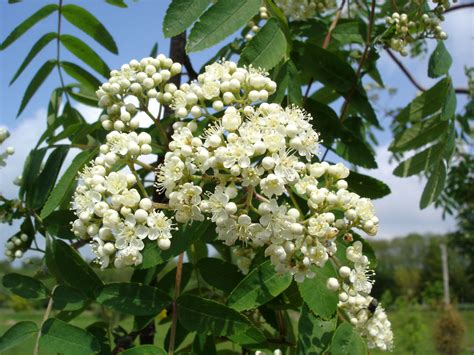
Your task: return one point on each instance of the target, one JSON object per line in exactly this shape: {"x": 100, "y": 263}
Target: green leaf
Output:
{"x": 440, "y": 61}
{"x": 204, "y": 344}
{"x": 60, "y": 337}
{"x": 288, "y": 81}
{"x": 118, "y": 3}
{"x": 89, "y": 24}
{"x": 314, "y": 333}
{"x": 419, "y": 162}
{"x": 367, "y": 186}
{"x": 349, "y": 31}
{"x": 182, "y": 239}
{"x": 168, "y": 281}
{"x": 266, "y": 48}
{"x": 419, "y": 134}
{"x": 133, "y": 298}
{"x": 449, "y": 105}
{"x": 17, "y": 335}
{"x": 202, "y": 315}
{"x": 154, "y": 50}
{"x": 37, "y": 47}
{"x": 226, "y": 279}
{"x": 46, "y": 179}
{"x": 251, "y": 338}
{"x": 355, "y": 151}
{"x": 145, "y": 350}
{"x": 261, "y": 285}
{"x": 25, "y": 286}
{"x": 31, "y": 170}
{"x": 81, "y": 75}
{"x": 85, "y": 53}
{"x": 328, "y": 68}
{"x": 67, "y": 180}
{"x": 219, "y": 21}
{"x": 316, "y": 295}
{"x": 347, "y": 342}
{"x": 69, "y": 299}
{"x": 70, "y": 268}
{"x": 181, "y": 14}
{"x": 426, "y": 104}
{"x": 435, "y": 184}
{"x": 27, "y": 24}
{"x": 35, "y": 83}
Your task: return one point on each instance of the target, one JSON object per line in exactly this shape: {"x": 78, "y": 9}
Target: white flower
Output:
{"x": 160, "y": 226}
{"x": 272, "y": 185}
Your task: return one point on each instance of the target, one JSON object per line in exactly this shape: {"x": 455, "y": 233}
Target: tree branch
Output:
{"x": 410, "y": 77}
{"x": 458, "y": 7}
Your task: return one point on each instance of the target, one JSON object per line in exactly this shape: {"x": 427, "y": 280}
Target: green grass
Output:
{"x": 410, "y": 326}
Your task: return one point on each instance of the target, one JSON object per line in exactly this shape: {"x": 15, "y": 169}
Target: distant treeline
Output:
{"x": 412, "y": 269}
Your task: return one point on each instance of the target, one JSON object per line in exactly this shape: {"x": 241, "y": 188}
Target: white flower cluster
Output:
{"x": 221, "y": 84}
{"x": 354, "y": 286}
{"x": 115, "y": 216}
{"x": 302, "y": 10}
{"x": 254, "y": 25}
{"x": 144, "y": 79}
{"x": 238, "y": 170}
{"x": 4, "y": 134}
{"x": 406, "y": 31}
{"x": 247, "y": 165}
{"x": 16, "y": 245}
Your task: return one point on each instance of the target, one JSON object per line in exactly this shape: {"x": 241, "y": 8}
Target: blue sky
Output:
{"x": 135, "y": 31}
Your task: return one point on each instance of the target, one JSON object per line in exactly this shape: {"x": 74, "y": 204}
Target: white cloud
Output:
{"x": 399, "y": 212}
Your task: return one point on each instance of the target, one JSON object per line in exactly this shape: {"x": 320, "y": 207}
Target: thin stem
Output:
{"x": 412, "y": 79}
{"x": 45, "y": 318}
{"x": 137, "y": 177}
{"x": 145, "y": 165}
{"x": 58, "y": 51}
{"x": 459, "y": 7}
{"x": 177, "y": 290}
{"x": 161, "y": 206}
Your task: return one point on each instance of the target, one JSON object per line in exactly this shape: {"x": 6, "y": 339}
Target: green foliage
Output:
{"x": 37, "y": 47}
{"x": 314, "y": 333}
{"x": 133, "y": 298}
{"x": 219, "y": 21}
{"x": 40, "y": 76}
{"x": 218, "y": 306}
{"x": 440, "y": 61}
{"x": 70, "y": 268}
{"x": 17, "y": 334}
{"x": 60, "y": 337}
{"x": 85, "y": 53}
{"x": 59, "y": 193}
{"x": 23, "y": 27}
{"x": 203, "y": 315}
{"x": 321, "y": 301}
{"x": 89, "y": 24}
{"x": 347, "y": 342}
{"x": 181, "y": 14}
{"x": 226, "y": 279}
{"x": 267, "y": 48}
{"x": 260, "y": 286}
{"x": 25, "y": 286}
{"x": 145, "y": 350}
